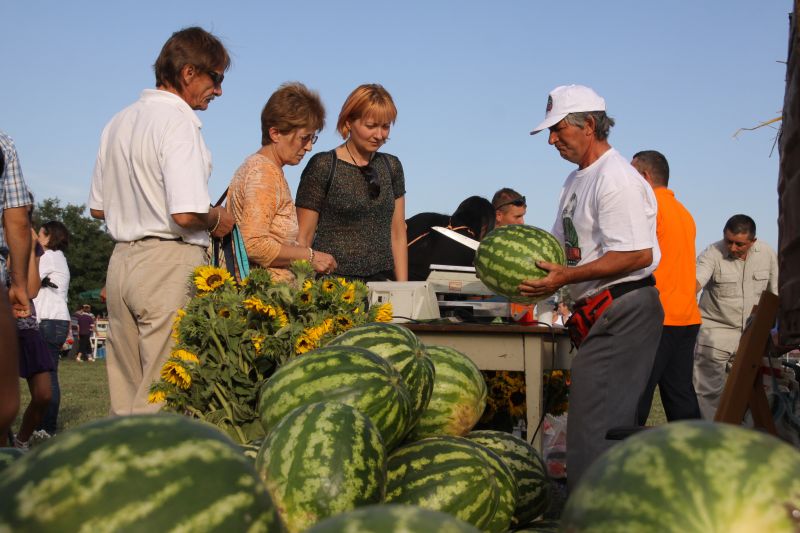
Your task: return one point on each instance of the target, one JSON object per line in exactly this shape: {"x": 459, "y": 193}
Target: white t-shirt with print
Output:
{"x": 606, "y": 207}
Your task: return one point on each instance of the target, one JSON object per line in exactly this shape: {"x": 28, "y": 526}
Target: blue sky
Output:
{"x": 470, "y": 80}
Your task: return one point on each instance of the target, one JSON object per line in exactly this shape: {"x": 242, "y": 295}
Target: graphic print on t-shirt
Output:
{"x": 571, "y": 245}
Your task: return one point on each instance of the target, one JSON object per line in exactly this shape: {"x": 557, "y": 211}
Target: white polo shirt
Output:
{"x": 152, "y": 163}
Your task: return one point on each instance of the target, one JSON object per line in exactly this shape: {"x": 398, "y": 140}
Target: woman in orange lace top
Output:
{"x": 259, "y": 197}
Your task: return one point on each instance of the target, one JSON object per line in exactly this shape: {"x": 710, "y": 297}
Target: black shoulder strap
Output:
{"x": 2, "y": 163}
{"x": 331, "y": 173}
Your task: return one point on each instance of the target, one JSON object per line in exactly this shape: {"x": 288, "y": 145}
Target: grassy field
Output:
{"x": 84, "y": 395}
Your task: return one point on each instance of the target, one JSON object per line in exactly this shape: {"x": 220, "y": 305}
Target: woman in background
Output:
{"x": 51, "y": 306}
{"x": 473, "y": 218}
{"x": 259, "y": 197}
{"x": 351, "y": 200}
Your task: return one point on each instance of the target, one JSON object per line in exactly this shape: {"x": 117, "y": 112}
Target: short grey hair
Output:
{"x": 602, "y": 122}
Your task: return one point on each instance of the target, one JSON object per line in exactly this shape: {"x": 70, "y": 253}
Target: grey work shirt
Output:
{"x": 731, "y": 287}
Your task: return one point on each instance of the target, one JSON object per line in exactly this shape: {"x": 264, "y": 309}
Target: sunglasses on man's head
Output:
{"x": 519, "y": 202}
{"x": 371, "y": 176}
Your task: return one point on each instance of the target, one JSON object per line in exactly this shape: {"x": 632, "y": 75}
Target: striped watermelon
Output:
{"x": 347, "y": 374}
{"x": 508, "y": 255}
{"x": 690, "y": 477}
{"x": 144, "y": 473}
{"x": 320, "y": 460}
{"x": 458, "y": 399}
{"x": 389, "y": 518}
{"x": 8, "y": 456}
{"x": 402, "y": 348}
{"x": 528, "y": 468}
{"x": 456, "y": 476}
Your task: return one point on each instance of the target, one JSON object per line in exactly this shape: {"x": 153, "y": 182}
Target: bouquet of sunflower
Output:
{"x": 556, "y": 391}
{"x": 505, "y": 399}
{"x": 232, "y": 336}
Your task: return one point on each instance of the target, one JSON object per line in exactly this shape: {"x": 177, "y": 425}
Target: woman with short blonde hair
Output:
{"x": 351, "y": 200}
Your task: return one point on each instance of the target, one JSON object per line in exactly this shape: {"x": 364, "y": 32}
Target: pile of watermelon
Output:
{"x": 372, "y": 432}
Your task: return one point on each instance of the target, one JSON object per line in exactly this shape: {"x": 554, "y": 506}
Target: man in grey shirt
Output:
{"x": 733, "y": 273}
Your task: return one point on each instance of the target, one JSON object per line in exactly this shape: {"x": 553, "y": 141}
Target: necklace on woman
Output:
{"x": 346, "y": 147}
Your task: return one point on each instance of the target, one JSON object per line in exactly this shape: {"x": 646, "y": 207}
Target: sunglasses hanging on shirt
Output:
{"x": 370, "y": 175}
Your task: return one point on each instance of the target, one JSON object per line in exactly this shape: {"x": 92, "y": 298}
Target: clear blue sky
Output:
{"x": 470, "y": 80}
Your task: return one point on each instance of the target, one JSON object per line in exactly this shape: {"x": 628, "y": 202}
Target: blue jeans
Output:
{"x": 55, "y": 334}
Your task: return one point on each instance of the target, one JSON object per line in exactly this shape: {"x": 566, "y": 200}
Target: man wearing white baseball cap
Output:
{"x": 606, "y": 220}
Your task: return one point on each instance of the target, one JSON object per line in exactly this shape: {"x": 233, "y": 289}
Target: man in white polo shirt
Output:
{"x": 607, "y": 222}
{"x": 150, "y": 184}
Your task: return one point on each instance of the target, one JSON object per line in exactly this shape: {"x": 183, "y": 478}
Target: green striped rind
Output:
{"x": 508, "y": 255}
{"x": 508, "y": 493}
{"x": 320, "y": 460}
{"x": 690, "y": 477}
{"x": 452, "y": 475}
{"x": 145, "y": 473}
{"x": 391, "y": 518}
{"x": 346, "y": 374}
{"x": 528, "y": 468}
{"x": 402, "y": 348}
{"x": 8, "y": 456}
{"x": 540, "y": 526}
{"x": 458, "y": 399}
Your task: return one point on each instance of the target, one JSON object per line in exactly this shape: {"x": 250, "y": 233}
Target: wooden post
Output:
{"x": 744, "y": 386}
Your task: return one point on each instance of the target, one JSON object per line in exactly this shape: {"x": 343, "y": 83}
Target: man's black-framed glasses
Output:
{"x": 518, "y": 202}
{"x": 373, "y": 187}
{"x": 216, "y": 77}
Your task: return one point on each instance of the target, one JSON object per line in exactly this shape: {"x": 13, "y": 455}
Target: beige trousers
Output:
{"x": 710, "y": 375}
{"x": 147, "y": 282}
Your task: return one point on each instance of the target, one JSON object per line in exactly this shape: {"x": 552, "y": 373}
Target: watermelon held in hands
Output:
{"x": 458, "y": 398}
{"x": 690, "y": 477}
{"x": 508, "y": 255}
{"x": 143, "y": 473}
{"x": 320, "y": 460}
{"x": 389, "y": 518}
{"x": 403, "y": 350}
{"x": 346, "y": 374}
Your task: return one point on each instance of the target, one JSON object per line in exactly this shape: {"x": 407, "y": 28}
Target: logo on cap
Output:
{"x": 549, "y": 104}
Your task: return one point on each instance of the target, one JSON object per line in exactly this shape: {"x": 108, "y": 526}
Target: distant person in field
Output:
{"x": 86, "y": 321}
{"x": 732, "y": 274}
{"x": 473, "y": 218}
{"x": 509, "y": 207}
{"x": 51, "y": 306}
{"x": 15, "y": 243}
{"x": 675, "y": 281}
{"x": 150, "y": 184}
{"x": 607, "y": 222}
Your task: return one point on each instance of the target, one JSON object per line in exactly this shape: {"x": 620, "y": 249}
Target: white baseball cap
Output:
{"x": 567, "y": 99}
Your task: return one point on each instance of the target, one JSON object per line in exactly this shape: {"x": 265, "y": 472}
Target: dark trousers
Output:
{"x": 672, "y": 372}
{"x": 54, "y": 333}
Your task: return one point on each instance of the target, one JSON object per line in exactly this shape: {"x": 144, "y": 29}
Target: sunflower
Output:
{"x": 224, "y": 312}
{"x": 208, "y": 278}
{"x": 343, "y": 322}
{"x": 304, "y": 344}
{"x": 175, "y": 373}
{"x": 258, "y": 342}
{"x": 307, "y": 285}
{"x": 255, "y": 304}
{"x": 306, "y": 298}
{"x": 349, "y": 296}
{"x": 384, "y": 313}
{"x": 176, "y": 323}
{"x": 516, "y": 404}
{"x": 328, "y": 285}
{"x": 183, "y": 355}
{"x": 156, "y": 396}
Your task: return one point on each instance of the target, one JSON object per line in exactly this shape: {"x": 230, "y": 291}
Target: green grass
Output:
{"x": 84, "y": 393}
